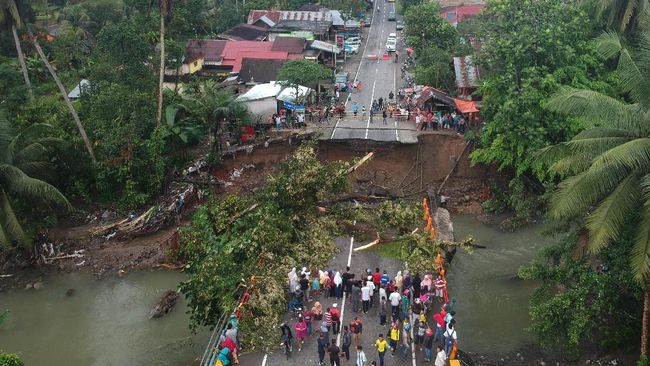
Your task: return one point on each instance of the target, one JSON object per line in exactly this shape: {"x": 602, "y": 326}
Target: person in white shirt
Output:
{"x": 450, "y": 337}
{"x": 365, "y": 296}
{"x": 441, "y": 357}
{"x": 370, "y": 285}
{"x": 395, "y": 300}
{"x": 361, "y": 357}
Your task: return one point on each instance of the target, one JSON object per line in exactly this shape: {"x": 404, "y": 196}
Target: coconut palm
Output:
{"x": 23, "y": 160}
{"x": 10, "y": 15}
{"x": 609, "y": 164}
{"x": 217, "y": 110}
{"x": 10, "y": 20}
{"x": 621, "y": 15}
{"x": 165, "y": 7}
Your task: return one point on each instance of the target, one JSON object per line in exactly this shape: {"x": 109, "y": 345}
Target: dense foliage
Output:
{"x": 582, "y": 300}
{"x": 263, "y": 235}
{"x": 10, "y": 359}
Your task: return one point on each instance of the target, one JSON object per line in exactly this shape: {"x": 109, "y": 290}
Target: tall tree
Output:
{"x": 609, "y": 164}
{"x": 64, "y": 94}
{"x": 10, "y": 19}
{"x": 531, "y": 49}
{"x": 217, "y": 109}
{"x": 425, "y": 27}
{"x": 165, "y": 7}
{"x": 23, "y": 158}
{"x": 621, "y": 15}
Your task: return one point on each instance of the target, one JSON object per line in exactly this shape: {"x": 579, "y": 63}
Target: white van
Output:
{"x": 391, "y": 44}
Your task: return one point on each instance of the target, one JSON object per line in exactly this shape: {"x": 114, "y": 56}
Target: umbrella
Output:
{"x": 409, "y": 50}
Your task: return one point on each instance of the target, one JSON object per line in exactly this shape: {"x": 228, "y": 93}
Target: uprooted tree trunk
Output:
{"x": 165, "y": 304}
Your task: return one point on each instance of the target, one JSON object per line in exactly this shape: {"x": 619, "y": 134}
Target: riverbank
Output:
{"x": 242, "y": 173}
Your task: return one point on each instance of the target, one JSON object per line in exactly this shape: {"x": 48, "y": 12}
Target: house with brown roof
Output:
{"x": 245, "y": 32}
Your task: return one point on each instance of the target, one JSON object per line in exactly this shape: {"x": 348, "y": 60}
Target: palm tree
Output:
{"x": 64, "y": 94}
{"x": 217, "y": 110}
{"x": 609, "y": 164}
{"x": 621, "y": 15}
{"x": 10, "y": 15}
{"x": 10, "y": 19}
{"x": 165, "y": 7}
{"x": 23, "y": 160}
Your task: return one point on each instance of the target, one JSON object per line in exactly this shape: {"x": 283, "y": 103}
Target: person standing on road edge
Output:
{"x": 336, "y": 319}
{"x": 361, "y": 357}
{"x": 381, "y": 345}
{"x": 384, "y": 115}
{"x": 346, "y": 342}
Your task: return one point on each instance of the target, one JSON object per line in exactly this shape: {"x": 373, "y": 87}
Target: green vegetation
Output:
{"x": 435, "y": 42}
{"x": 262, "y": 235}
{"x": 307, "y": 73}
{"x": 10, "y": 359}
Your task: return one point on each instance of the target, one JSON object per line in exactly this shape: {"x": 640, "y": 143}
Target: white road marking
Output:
{"x": 394, "y": 88}
{"x": 372, "y": 97}
{"x": 363, "y": 56}
{"x": 266, "y": 355}
{"x": 338, "y": 337}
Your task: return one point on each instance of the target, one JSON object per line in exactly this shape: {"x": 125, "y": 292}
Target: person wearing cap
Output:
{"x": 336, "y": 318}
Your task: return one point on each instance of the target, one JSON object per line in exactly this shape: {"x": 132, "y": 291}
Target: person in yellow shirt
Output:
{"x": 381, "y": 345}
{"x": 394, "y": 337}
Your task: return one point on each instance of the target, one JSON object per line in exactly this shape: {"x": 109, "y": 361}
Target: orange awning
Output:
{"x": 465, "y": 106}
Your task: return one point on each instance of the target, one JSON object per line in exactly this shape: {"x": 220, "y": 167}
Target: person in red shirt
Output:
{"x": 376, "y": 278}
{"x": 336, "y": 318}
{"x": 230, "y": 344}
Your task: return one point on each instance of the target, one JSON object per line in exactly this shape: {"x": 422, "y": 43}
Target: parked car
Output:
{"x": 399, "y": 25}
{"x": 352, "y": 48}
{"x": 392, "y": 36}
{"x": 341, "y": 80}
{"x": 353, "y": 40}
{"x": 391, "y": 45}
{"x": 391, "y": 16}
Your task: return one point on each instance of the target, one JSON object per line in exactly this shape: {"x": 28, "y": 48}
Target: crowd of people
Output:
{"x": 427, "y": 120}
{"x": 415, "y": 310}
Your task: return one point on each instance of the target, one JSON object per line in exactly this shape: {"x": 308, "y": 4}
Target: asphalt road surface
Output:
{"x": 378, "y": 78}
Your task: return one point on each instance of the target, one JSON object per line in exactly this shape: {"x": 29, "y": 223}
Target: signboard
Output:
{"x": 293, "y": 107}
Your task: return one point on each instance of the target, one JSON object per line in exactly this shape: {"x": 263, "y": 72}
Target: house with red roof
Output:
{"x": 225, "y": 57}
{"x": 457, "y": 13}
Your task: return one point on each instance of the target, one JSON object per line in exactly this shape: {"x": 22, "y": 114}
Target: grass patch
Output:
{"x": 391, "y": 250}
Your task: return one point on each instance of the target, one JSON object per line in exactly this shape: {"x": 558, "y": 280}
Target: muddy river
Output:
{"x": 106, "y": 322}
